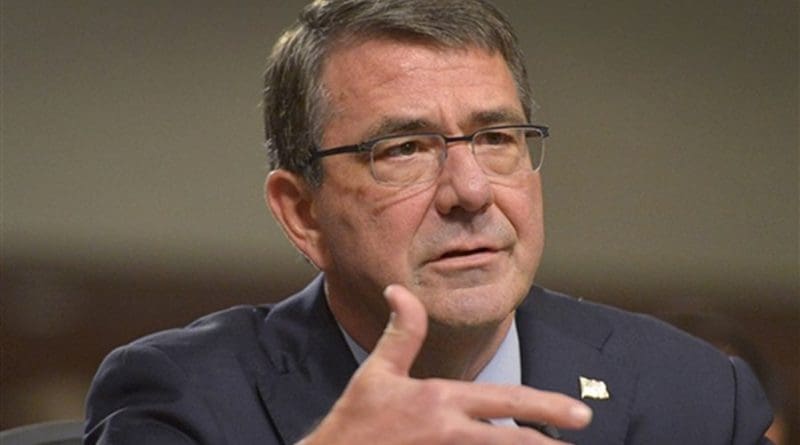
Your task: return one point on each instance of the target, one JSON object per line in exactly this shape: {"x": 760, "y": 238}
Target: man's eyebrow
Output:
{"x": 393, "y": 125}
{"x": 497, "y": 116}
{"x": 398, "y": 125}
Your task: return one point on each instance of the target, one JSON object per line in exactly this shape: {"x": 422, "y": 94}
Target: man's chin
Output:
{"x": 469, "y": 308}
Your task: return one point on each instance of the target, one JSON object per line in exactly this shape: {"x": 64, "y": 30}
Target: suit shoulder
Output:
{"x": 630, "y": 336}
{"x": 240, "y": 336}
{"x": 165, "y": 388}
{"x": 220, "y": 333}
{"x": 676, "y": 378}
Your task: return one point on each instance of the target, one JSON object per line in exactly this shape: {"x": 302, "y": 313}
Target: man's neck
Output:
{"x": 459, "y": 352}
{"x": 448, "y": 352}
{"x": 454, "y": 352}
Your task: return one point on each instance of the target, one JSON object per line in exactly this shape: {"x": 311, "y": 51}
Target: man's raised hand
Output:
{"x": 382, "y": 404}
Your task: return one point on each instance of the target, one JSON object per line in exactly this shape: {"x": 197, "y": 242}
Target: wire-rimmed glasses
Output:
{"x": 419, "y": 157}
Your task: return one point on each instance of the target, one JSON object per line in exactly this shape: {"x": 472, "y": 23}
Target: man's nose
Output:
{"x": 462, "y": 183}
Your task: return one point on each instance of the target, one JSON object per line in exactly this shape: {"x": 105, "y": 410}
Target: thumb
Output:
{"x": 402, "y": 339}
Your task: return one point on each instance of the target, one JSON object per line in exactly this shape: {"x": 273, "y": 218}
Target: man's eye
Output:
{"x": 401, "y": 149}
{"x": 496, "y": 138}
{"x": 407, "y": 148}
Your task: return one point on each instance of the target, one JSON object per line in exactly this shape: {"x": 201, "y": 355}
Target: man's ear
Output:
{"x": 291, "y": 200}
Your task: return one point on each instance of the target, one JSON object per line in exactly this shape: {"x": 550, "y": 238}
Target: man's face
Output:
{"x": 466, "y": 244}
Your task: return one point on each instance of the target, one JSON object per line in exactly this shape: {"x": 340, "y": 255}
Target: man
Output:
{"x": 405, "y": 168}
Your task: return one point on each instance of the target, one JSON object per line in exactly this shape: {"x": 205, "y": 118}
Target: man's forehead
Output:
{"x": 411, "y": 76}
{"x": 387, "y": 56}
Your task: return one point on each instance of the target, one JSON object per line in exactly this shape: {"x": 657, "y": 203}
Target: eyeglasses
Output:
{"x": 415, "y": 158}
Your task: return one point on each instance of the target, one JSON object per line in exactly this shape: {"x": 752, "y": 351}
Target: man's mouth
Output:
{"x": 463, "y": 253}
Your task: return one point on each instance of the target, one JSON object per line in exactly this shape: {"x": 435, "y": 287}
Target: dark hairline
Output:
{"x": 341, "y": 43}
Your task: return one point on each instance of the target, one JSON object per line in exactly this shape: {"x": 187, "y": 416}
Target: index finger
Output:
{"x": 487, "y": 401}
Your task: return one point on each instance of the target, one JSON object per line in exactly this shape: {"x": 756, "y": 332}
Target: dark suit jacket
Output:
{"x": 267, "y": 374}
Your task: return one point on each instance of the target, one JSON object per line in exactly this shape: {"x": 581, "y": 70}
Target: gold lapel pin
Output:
{"x": 593, "y": 389}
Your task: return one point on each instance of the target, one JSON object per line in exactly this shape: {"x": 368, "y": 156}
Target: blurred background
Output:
{"x": 132, "y": 172}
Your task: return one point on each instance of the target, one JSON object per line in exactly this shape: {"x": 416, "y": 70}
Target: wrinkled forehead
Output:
{"x": 348, "y": 57}
{"x": 382, "y": 87}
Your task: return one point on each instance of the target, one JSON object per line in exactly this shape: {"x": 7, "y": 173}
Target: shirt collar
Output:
{"x": 504, "y": 368}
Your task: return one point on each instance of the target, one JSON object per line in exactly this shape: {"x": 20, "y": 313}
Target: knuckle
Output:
{"x": 451, "y": 433}
{"x": 433, "y": 392}
{"x": 413, "y": 332}
{"x": 514, "y": 402}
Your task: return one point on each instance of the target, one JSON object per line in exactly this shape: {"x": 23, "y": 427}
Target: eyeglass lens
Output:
{"x": 404, "y": 160}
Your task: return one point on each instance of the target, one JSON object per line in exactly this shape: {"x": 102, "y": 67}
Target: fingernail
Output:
{"x": 387, "y": 295}
{"x": 581, "y": 413}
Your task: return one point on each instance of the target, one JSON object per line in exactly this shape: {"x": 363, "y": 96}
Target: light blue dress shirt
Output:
{"x": 503, "y": 369}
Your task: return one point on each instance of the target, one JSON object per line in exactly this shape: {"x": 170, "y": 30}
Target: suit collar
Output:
{"x": 310, "y": 363}
{"x": 561, "y": 340}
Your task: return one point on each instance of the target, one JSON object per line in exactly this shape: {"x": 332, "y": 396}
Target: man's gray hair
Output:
{"x": 295, "y": 101}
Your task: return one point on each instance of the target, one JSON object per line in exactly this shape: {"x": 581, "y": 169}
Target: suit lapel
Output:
{"x": 560, "y": 342}
{"x": 310, "y": 363}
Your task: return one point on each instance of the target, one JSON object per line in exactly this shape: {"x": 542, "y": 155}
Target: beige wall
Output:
{"x": 131, "y": 143}
{"x": 131, "y": 130}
